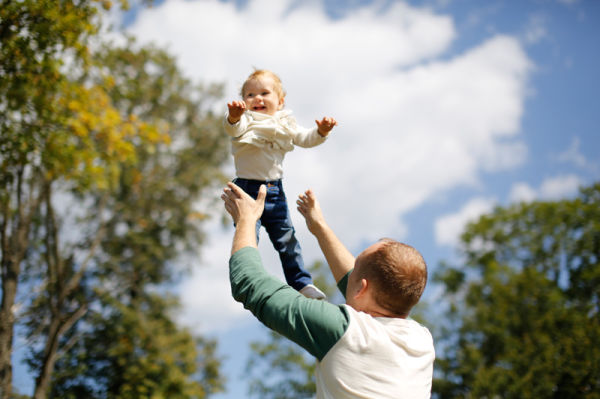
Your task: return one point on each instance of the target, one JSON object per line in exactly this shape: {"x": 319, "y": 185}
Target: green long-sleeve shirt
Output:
{"x": 314, "y": 325}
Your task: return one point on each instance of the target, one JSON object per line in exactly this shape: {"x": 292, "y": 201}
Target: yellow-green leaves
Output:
{"x": 97, "y": 203}
{"x": 92, "y": 141}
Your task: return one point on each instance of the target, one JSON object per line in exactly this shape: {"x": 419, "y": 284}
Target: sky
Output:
{"x": 446, "y": 109}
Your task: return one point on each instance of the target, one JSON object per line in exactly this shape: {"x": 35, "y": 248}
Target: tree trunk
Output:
{"x": 14, "y": 240}
{"x": 11, "y": 261}
{"x": 7, "y": 321}
{"x": 57, "y": 329}
{"x": 62, "y": 281}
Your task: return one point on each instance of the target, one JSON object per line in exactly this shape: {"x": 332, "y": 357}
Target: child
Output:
{"x": 261, "y": 135}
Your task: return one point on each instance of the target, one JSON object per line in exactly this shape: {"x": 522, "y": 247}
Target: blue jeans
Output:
{"x": 276, "y": 220}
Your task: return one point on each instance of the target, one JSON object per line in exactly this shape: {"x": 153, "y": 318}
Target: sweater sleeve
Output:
{"x": 315, "y": 325}
{"x": 237, "y": 129}
{"x": 308, "y": 138}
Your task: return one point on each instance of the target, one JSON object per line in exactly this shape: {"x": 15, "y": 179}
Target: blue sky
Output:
{"x": 446, "y": 108}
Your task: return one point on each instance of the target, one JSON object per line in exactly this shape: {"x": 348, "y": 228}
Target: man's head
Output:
{"x": 263, "y": 92}
{"x": 395, "y": 275}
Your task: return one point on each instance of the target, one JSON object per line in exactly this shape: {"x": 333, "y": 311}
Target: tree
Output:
{"x": 82, "y": 152}
{"x": 45, "y": 141}
{"x": 153, "y": 220}
{"x": 522, "y": 313}
{"x": 131, "y": 354}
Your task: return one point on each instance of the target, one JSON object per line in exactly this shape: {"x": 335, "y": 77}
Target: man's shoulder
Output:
{"x": 389, "y": 326}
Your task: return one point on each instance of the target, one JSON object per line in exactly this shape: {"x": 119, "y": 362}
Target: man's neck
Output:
{"x": 378, "y": 311}
{"x": 384, "y": 313}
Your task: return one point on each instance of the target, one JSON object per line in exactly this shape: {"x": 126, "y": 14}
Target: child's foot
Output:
{"x": 310, "y": 291}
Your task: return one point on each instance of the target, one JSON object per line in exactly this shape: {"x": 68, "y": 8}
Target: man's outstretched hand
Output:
{"x": 309, "y": 207}
{"x": 241, "y": 206}
{"x": 339, "y": 259}
{"x": 245, "y": 211}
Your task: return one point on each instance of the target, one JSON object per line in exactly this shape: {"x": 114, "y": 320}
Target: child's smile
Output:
{"x": 260, "y": 96}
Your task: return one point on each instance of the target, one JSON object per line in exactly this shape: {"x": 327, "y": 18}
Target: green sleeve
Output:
{"x": 343, "y": 283}
{"x": 315, "y": 325}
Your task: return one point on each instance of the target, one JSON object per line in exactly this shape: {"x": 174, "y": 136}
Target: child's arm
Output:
{"x": 236, "y": 110}
{"x": 307, "y": 138}
{"x": 234, "y": 124}
{"x": 325, "y": 125}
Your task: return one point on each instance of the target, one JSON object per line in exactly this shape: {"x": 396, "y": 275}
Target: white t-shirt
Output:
{"x": 378, "y": 358}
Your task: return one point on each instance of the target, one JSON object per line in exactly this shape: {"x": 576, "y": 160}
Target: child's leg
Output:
{"x": 278, "y": 223}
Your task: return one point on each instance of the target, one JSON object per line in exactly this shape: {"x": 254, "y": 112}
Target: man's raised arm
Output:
{"x": 338, "y": 257}
{"x": 245, "y": 211}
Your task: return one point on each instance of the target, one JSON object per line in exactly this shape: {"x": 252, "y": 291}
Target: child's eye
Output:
{"x": 265, "y": 93}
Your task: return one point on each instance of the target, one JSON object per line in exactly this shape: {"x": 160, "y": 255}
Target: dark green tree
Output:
{"x": 137, "y": 353}
{"x": 103, "y": 169}
{"x": 522, "y": 312}
{"x": 128, "y": 345}
{"x": 48, "y": 140}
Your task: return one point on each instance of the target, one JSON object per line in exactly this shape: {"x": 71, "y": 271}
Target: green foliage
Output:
{"x": 523, "y": 316}
{"x": 137, "y": 352}
{"x": 280, "y": 370}
{"x": 152, "y": 217}
{"x": 54, "y": 128}
{"x": 48, "y": 138}
{"x": 155, "y": 213}
{"x": 105, "y": 159}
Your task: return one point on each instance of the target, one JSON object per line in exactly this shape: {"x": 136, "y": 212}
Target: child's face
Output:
{"x": 260, "y": 96}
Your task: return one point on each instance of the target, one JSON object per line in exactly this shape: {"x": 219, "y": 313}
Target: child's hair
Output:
{"x": 257, "y": 74}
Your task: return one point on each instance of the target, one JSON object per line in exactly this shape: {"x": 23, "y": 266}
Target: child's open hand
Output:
{"x": 236, "y": 109}
{"x": 325, "y": 125}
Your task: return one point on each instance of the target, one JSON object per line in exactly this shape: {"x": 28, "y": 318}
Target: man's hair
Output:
{"x": 259, "y": 73}
{"x": 398, "y": 273}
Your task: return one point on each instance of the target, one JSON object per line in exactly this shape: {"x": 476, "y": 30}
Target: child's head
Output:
{"x": 263, "y": 92}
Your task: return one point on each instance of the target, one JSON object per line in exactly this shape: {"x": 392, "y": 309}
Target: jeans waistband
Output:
{"x": 258, "y": 182}
{"x": 268, "y": 183}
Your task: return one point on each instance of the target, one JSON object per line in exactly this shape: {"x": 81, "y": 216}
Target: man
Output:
{"x": 366, "y": 348}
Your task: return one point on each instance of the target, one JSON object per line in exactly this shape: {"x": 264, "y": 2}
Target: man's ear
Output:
{"x": 363, "y": 287}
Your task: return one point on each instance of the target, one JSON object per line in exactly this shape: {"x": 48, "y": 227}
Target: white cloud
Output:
{"x": 216, "y": 41}
{"x": 448, "y": 228}
{"x": 553, "y": 188}
{"x": 522, "y": 192}
{"x": 412, "y": 122}
{"x": 560, "y": 187}
{"x": 206, "y": 295}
